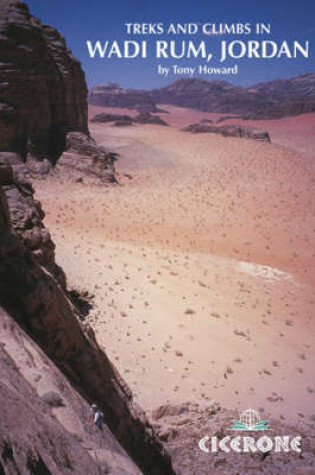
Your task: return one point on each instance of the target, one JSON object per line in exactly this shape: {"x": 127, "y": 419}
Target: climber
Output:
{"x": 98, "y": 416}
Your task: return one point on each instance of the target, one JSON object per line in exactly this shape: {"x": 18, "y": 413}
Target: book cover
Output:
{"x": 157, "y": 253}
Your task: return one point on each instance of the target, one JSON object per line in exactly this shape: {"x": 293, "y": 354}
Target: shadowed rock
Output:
{"x": 104, "y": 117}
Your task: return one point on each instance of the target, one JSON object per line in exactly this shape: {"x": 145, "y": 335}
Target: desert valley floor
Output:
{"x": 202, "y": 261}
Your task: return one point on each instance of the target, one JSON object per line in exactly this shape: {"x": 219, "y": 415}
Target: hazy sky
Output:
{"x": 81, "y": 20}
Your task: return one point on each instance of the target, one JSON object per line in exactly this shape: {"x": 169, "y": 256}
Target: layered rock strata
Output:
{"x": 43, "y": 90}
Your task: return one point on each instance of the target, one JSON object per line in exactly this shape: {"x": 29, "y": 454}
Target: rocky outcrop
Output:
{"x": 33, "y": 297}
{"x": 43, "y": 92}
{"x": 182, "y": 426}
{"x": 268, "y": 100}
{"x": 84, "y": 158}
{"x": 148, "y": 118}
{"x": 239, "y": 131}
{"x": 123, "y": 119}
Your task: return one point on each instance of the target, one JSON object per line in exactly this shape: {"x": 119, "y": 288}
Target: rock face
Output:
{"x": 45, "y": 425}
{"x": 43, "y": 98}
{"x": 26, "y": 214}
{"x": 43, "y": 89}
{"x": 268, "y": 100}
{"x": 230, "y": 131}
{"x": 32, "y": 296}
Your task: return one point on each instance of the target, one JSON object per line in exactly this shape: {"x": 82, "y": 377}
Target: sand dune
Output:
{"x": 202, "y": 264}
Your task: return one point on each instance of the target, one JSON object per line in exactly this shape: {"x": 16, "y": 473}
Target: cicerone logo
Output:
{"x": 250, "y": 421}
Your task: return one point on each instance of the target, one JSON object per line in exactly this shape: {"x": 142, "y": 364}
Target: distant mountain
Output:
{"x": 112, "y": 95}
{"x": 209, "y": 96}
{"x": 293, "y": 89}
{"x": 274, "y": 99}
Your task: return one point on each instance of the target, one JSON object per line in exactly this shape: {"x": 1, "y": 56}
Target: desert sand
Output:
{"x": 201, "y": 261}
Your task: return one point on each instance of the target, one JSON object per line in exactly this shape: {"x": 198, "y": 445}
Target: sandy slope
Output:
{"x": 202, "y": 264}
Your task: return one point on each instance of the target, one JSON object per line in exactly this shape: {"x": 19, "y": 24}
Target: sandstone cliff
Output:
{"x": 43, "y": 89}
{"x": 31, "y": 294}
{"x": 43, "y": 96}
